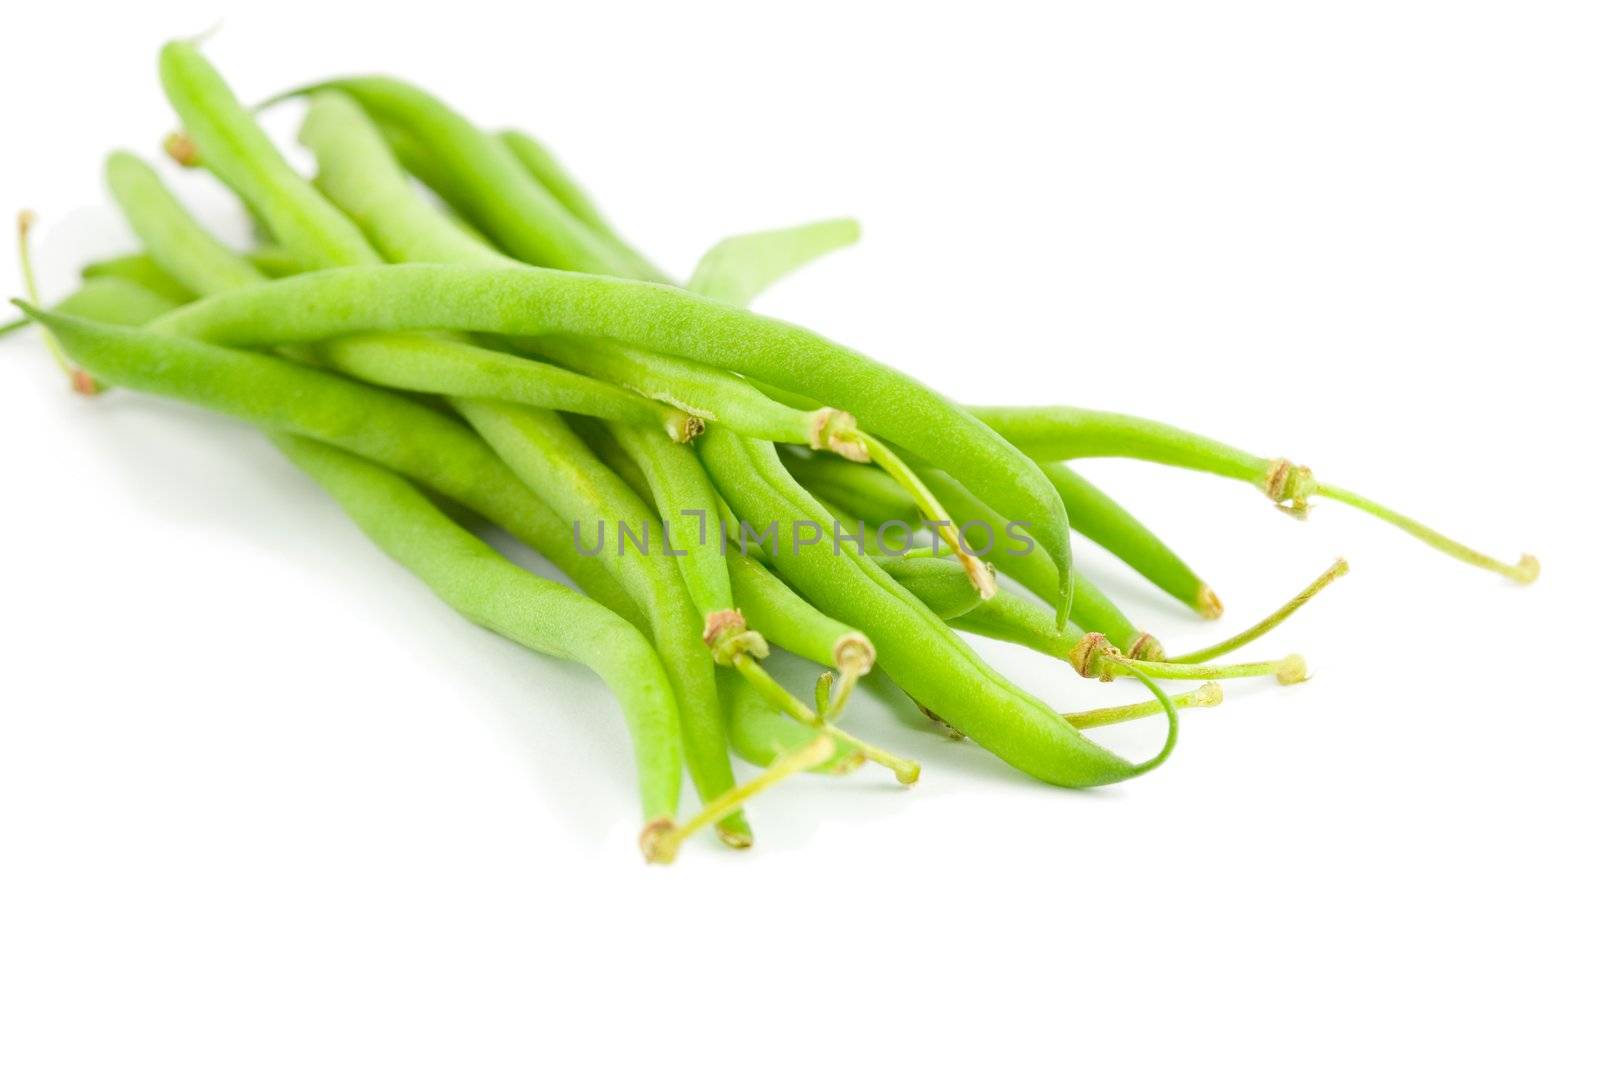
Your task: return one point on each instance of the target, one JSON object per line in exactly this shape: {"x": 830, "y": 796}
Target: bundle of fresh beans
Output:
{"x": 441, "y": 324}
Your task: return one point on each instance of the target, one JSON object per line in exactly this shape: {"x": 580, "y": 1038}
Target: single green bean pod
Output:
{"x": 538, "y": 614}
{"x": 1054, "y": 433}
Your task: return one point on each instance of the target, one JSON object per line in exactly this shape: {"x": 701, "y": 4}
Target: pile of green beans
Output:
{"x": 445, "y": 333}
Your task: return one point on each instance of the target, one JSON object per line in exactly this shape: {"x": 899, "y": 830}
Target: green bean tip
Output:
{"x": 737, "y": 837}
{"x": 658, "y": 842}
{"x": 944, "y": 727}
{"x": 1091, "y": 655}
{"x": 1292, "y": 670}
{"x": 853, "y": 653}
{"x": 180, "y": 148}
{"x": 849, "y": 764}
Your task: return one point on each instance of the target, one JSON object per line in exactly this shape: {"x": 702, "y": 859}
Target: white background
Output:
{"x": 263, "y": 800}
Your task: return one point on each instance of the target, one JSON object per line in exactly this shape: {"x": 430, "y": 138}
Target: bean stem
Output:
{"x": 1095, "y": 656}
{"x": 1207, "y": 695}
{"x": 82, "y": 383}
{"x": 660, "y": 840}
{"x": 1523, "y": 571}
{"x": 978, "y": 572}
{"x": 1270, "y": 622}
{"x": 1056, "y": 433}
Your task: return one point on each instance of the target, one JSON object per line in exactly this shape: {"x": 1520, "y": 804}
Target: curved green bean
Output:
{"x": 241, "y": 155}
{"x": 1106, "y": 522}
{"x": 175, "y": 244}
{"x": 545, "y": 170}
{"x": 1050, "y": 433}
{"x": 495, "y": 593}
{"x": 792, "y": 622}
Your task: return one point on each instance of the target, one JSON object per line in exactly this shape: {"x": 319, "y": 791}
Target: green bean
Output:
{"x": 489, "y": 185}
{"x": 557, "y": 466}
{"x": 1104, "y": 521}
{"x": 932, "y": 664}
{"x": 546, "y": 171}
{"x": 739, "y": 268}
{"x": 928, "y": 578}
{"x": 178, "y": 246}
{"x": 141, "y": 270}
{"x": 241, "y": 155}
{"x": 357, "y": 173}
{"x": 428, "y": 363}
{"x": 1049, "y": 433}
{"x": 707, "y": 392}
{"x": 536, "y": 613}
{"x": 790, "y": 621}
{"x": 680, "y": 489}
